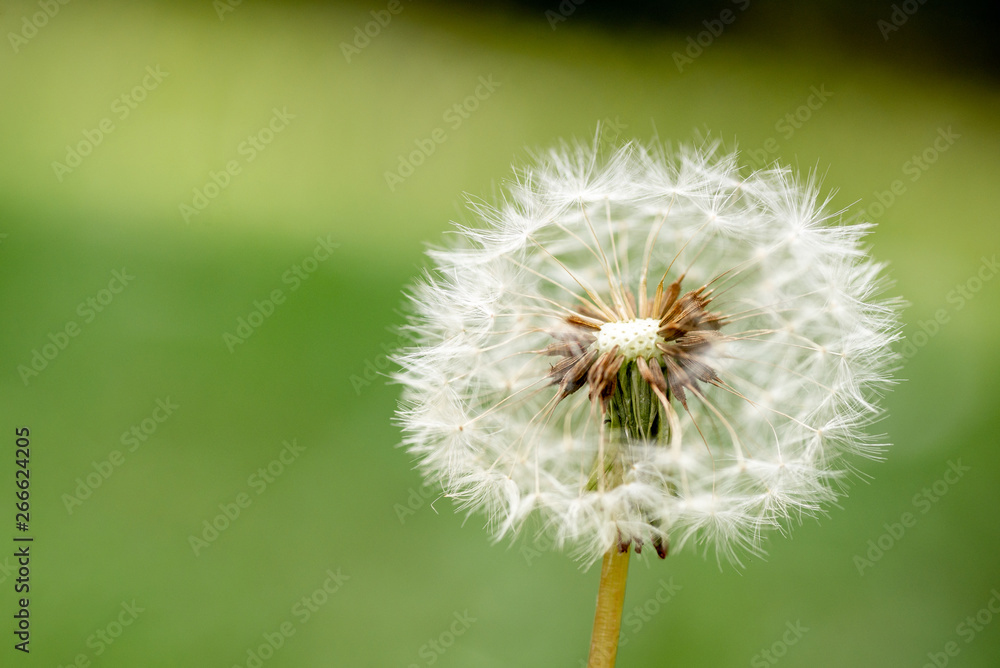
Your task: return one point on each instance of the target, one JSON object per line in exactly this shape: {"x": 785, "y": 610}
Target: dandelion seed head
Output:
{"x": 651, "y": 346}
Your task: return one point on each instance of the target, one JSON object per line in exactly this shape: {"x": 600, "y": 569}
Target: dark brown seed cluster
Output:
{"x": 659, "y": 544}
{"x": 688, "y": 330}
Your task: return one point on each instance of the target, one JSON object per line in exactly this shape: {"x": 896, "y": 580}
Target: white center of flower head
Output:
{"x": 634, "y": 338}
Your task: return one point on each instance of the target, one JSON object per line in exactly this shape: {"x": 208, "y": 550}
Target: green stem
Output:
{"x": 608, "y": 618}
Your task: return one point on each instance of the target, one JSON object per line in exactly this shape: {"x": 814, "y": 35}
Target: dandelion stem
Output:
{"x": 610, "y": 600}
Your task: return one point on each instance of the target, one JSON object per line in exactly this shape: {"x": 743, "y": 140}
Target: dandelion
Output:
{"x": 646, "y": 347}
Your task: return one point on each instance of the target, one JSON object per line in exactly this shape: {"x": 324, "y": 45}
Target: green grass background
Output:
{"x": 302, "y": 374}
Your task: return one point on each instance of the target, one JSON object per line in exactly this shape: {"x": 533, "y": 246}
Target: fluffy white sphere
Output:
{"x": 532, "y": 337}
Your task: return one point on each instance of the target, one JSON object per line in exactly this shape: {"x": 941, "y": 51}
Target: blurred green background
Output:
{"x": 307, "y": 242}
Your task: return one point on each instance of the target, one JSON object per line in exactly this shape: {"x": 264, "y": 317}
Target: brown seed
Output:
{"x": 603, "y": 376}
{"x": 662, "y": 547}
{"x": 652, "y": 373}
{"x": 667, "y": 298}
{"x": 580, "y": 322}
{"x": 575, "y": 375}
{"x": 675, "y": 379}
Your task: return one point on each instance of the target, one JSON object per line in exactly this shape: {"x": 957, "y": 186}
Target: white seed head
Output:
{"x": 633, "y": 338}
{"x": 648, "y": 346}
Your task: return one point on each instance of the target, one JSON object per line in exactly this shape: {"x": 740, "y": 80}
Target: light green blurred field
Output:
{"x": 307, "y": 372}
